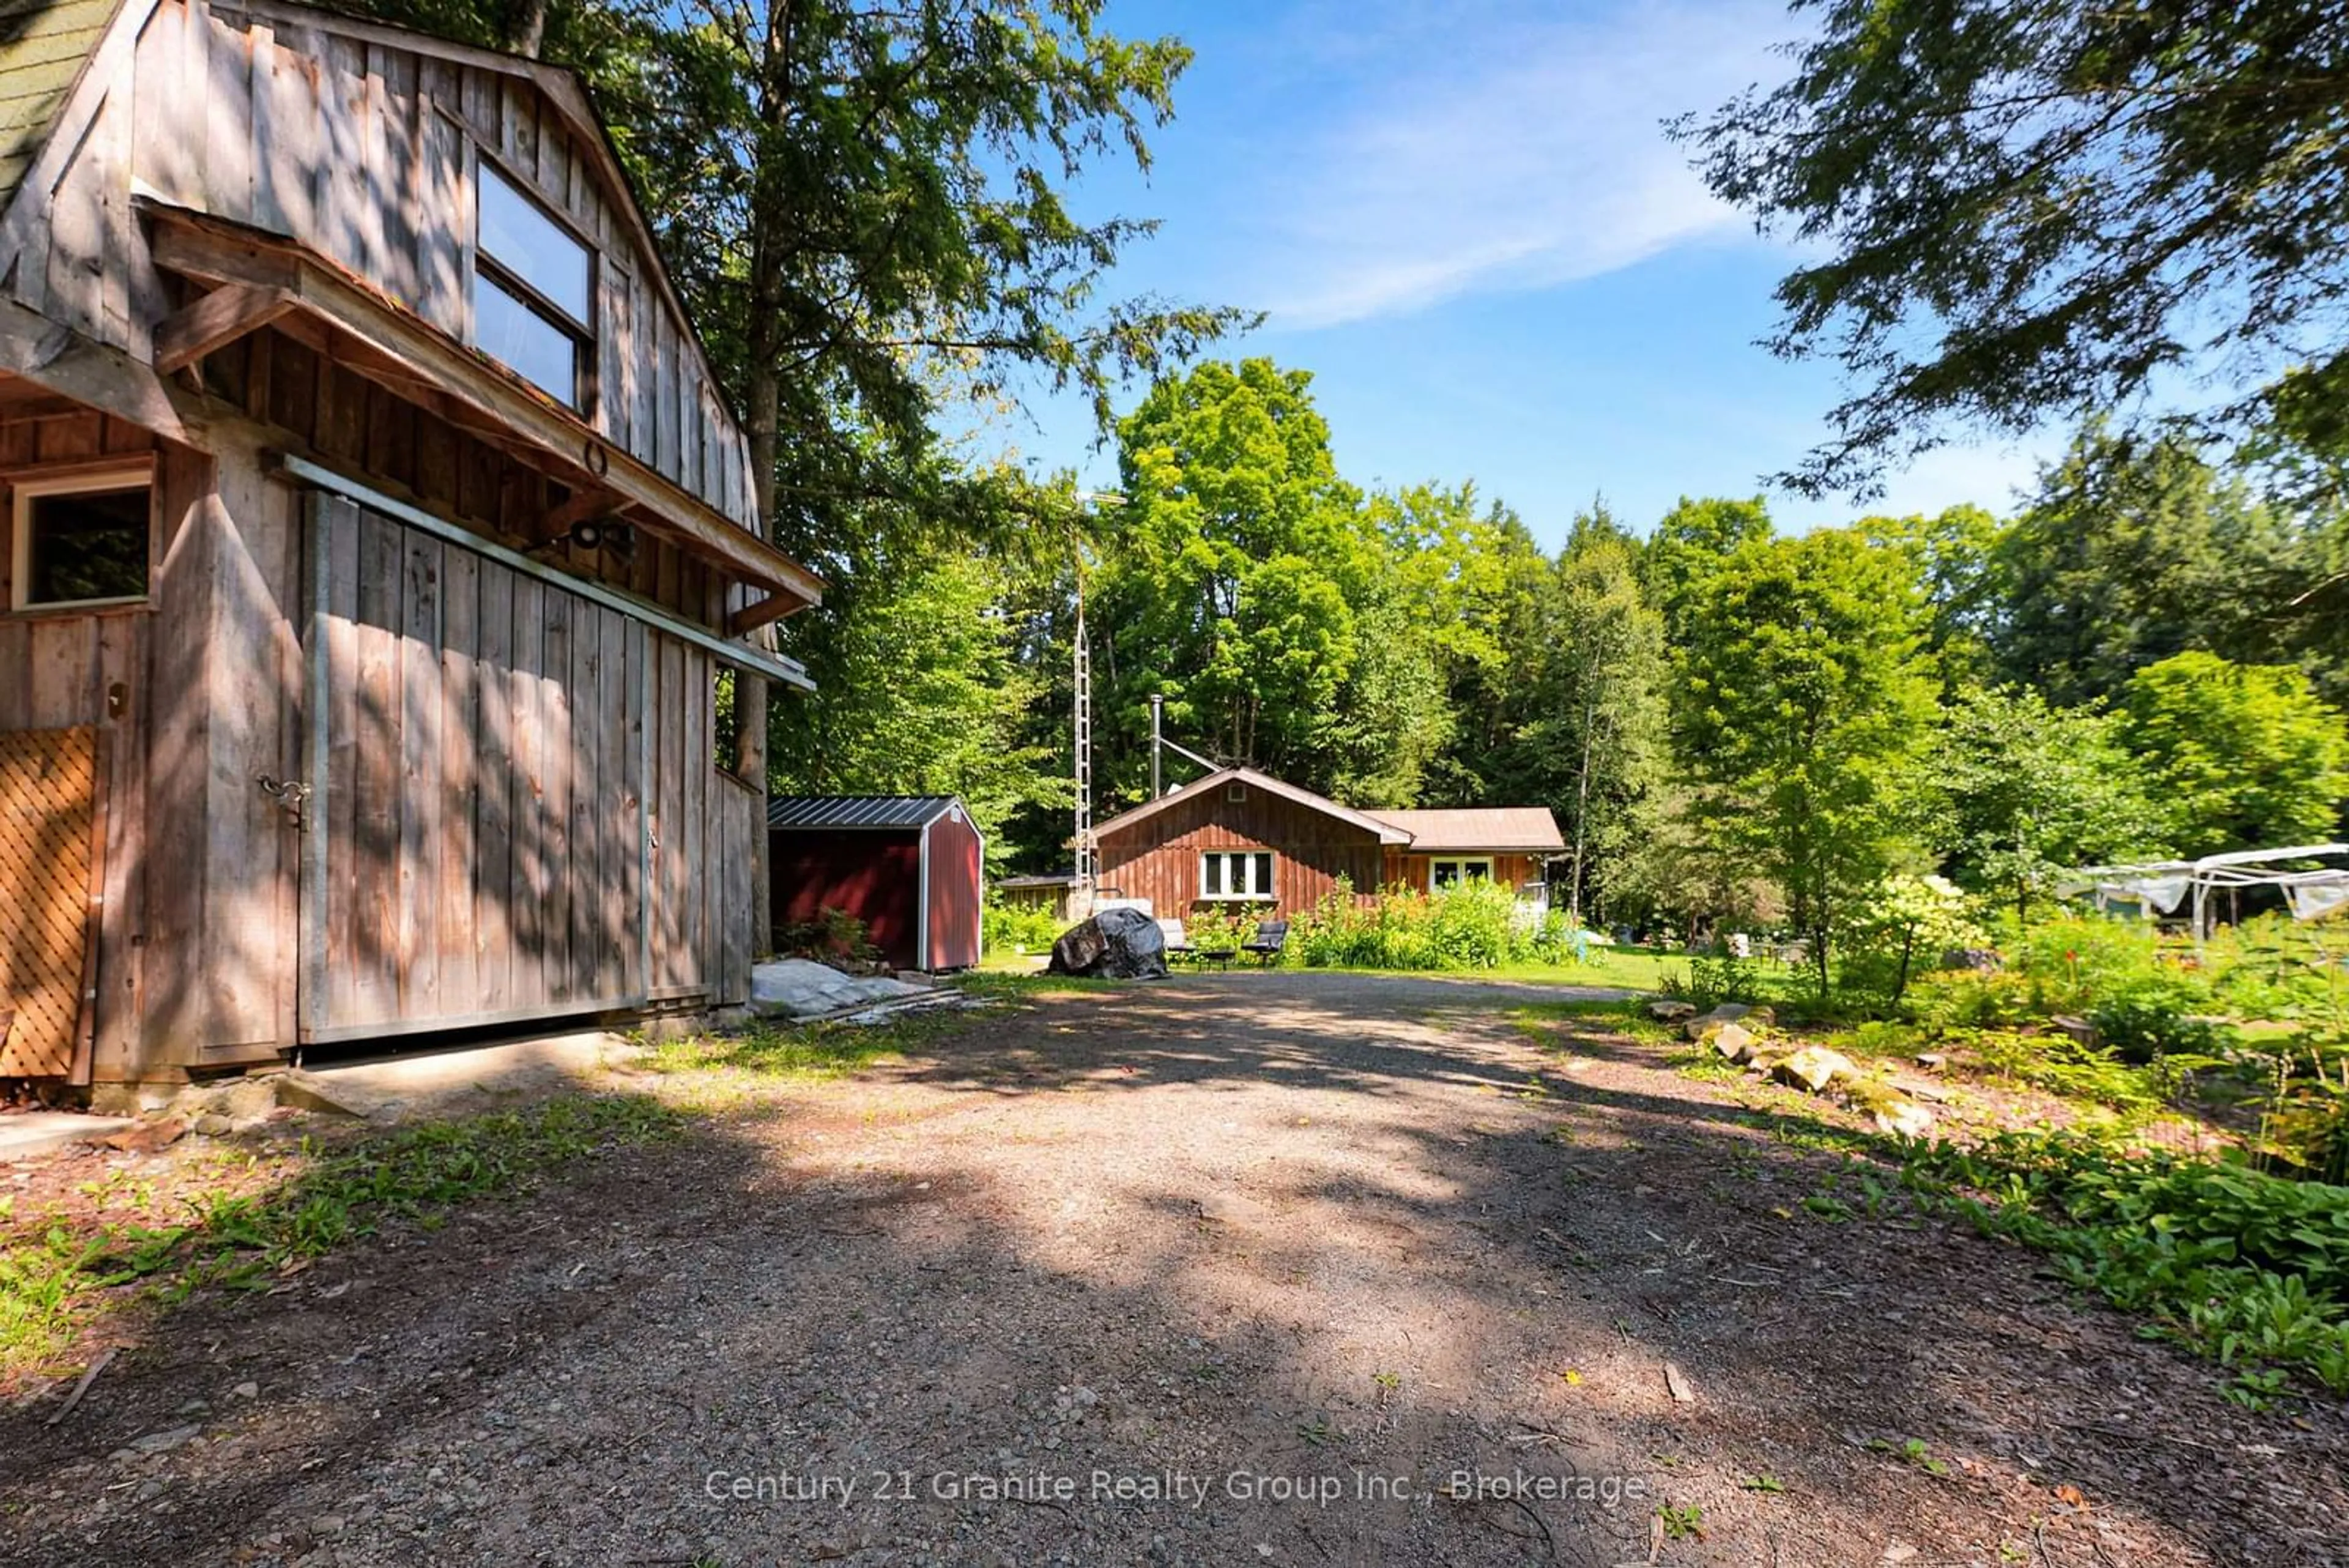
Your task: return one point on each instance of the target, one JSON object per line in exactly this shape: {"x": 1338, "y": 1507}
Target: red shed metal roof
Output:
{"x": 859, "y": 811}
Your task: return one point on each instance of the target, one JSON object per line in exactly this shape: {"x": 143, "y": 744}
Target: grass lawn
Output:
{"x": 1636, "y": 969}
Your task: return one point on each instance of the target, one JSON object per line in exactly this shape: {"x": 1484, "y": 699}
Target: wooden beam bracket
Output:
{"x": 218, "y": 319}
{"x": 760, "y": 612}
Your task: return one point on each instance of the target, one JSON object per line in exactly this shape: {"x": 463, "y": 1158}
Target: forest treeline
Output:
{"x": 2146, "y": 656}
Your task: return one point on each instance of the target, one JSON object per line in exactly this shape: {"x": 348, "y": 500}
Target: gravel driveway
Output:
{"x": 1284, "y": 1268}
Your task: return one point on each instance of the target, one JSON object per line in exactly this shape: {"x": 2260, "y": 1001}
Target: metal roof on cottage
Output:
{"x": 1527, "y": 828}
{"x": 859, "y": 811}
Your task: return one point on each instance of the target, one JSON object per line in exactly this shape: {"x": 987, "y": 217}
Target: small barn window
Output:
{"x": 81, "y": 539}
{"x": 1236, "y": 874}
{"x": 533, "y": 290}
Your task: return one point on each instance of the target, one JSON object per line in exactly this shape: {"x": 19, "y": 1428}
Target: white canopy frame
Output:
{"x": 2149, "y": 880}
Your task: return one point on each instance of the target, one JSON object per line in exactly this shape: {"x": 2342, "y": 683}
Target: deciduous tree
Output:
{"x": 2244, "y": 757}
{"x": 1809, "y": 697}
{"x": 2025, "y": 789}
{"x": 1236, "y": 561}
{"x": 1594, "y": 748}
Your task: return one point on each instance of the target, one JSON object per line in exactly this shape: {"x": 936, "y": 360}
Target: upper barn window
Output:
{"x": 531, "y": 288}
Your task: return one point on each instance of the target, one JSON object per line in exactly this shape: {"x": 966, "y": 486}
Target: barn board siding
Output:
{"x": 463, "y": 699}
{"x": 495, "y": 862}
{"x": 344, "y": 421}
{"x": 499, "y": 757}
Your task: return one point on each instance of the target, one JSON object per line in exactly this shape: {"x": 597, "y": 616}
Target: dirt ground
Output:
{"x": 1256, "y": 1268}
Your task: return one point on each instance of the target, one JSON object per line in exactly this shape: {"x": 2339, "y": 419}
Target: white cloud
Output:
{"x": 1480, "y": 152}
{"x": 1998, "y": 477}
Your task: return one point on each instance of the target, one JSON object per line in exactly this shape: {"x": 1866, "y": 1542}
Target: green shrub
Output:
{"x": 2072, "y": 963}
{"x": 2272, "y": 966}
{"x": 2153, "y": 1015}
{"x": 2246, "y": 1268}
{"x": 2065, "y": 1067}
{"x": 1716, "y": 978}
{"x": 1018, "y": 928}
{"x": 832, "y": 934}
{"x": 1222, "y": 929}
{"x": 1476, "y": 925}
{"x": 1900, "y": 934}
{"x": 1973, "y": 999}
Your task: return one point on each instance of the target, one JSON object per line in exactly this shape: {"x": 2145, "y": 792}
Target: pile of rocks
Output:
{"x": 1734, "y": 1032}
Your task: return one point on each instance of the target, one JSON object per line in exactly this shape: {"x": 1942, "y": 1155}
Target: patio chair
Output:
{"x": 1271, "y": 937}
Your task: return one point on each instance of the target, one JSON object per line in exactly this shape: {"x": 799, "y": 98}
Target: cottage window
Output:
{"x": 1451, "y": 873}
{"x": 80, "y": 539}
{"x": 531, "y": 290}
{"x": 1244, "y": 874}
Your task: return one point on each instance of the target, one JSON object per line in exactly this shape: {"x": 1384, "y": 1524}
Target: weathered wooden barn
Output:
{"x": 1237, "y": 837}
{"x": 385, "y": 621}
{"x": 910, "y": 867}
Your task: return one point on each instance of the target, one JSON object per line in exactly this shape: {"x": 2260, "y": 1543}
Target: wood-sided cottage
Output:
{"x": 374, "y": 549}
{"x": 1238, "y": 838}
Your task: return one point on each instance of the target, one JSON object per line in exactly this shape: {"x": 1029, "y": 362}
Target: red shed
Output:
{"x": 909, "y": 867}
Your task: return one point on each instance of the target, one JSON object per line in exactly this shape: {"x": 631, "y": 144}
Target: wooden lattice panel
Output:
{"x": 48, "y": 785}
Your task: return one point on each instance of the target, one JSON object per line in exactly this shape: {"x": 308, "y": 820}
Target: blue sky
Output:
{"x": 1464, "y": 217}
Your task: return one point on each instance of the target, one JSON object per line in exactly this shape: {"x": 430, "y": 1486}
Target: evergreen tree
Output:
{"x": 1594, "y": 749}
{"x": 2131, "y": 552}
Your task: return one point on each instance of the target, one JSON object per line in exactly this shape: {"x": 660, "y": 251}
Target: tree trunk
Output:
{"x": 1581, "y": 823}
{"x": 763, "y": 391}
{"x": 1819, "y": 923}
{"x": 763, "y": 329}
{"x": 530, "y": 29}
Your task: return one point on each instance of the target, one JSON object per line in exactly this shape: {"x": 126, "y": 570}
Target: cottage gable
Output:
{"x": 1240, "y": 837}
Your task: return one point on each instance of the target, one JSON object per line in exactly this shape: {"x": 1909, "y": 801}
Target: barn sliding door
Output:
{"x": 478, "y": 834}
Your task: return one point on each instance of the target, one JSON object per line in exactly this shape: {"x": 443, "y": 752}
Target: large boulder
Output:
{"x": 1727, "y": 1013}
{"x": 1114, "y": 944}
{"x": 1736, "y": 1042}
{"x": 1903, "y": 1119}
{"x": 1813, "y": 1067}
{"x": 1671, "y": 1012}
{"x": 801, "y": 987}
